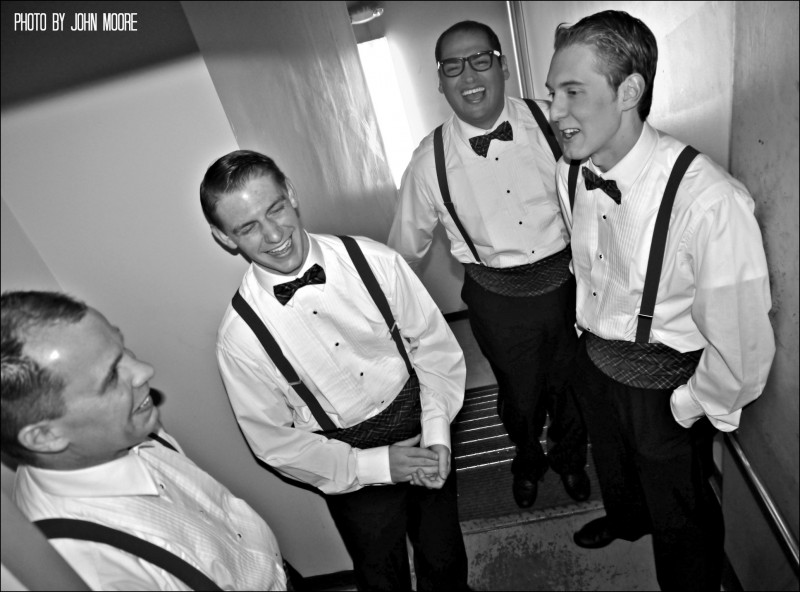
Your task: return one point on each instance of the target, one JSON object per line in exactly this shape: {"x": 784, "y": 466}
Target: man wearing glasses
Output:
{"x": 488, "y": 175}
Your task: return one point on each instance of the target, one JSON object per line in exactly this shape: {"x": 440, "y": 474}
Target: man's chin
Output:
{"x": 288, "y": 266}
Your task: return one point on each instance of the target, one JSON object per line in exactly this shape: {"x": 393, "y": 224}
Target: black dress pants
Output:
{"x": 654, "y": 477}
{"x": 374, "y": 521}
{"x": 530, "y": 343}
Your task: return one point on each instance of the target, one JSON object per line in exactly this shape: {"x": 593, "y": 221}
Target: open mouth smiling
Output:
{"x": 569, "y": 132}
{"x": 281, "y": 249}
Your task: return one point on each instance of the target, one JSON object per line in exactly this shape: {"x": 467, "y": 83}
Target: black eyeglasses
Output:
{"x": 480, "y": 62}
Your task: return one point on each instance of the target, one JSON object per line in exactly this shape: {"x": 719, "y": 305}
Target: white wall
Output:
{"x": 694, "y": 80}
{"x": 104, "y": 183}
{"x": 290, "y": 80}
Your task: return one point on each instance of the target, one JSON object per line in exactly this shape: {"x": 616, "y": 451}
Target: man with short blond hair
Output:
{"x": 672, "y": 299}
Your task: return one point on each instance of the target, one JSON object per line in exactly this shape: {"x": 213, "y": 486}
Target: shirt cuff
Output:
{"x": 372, "y": 465}
{"x": 435, "y": 431}
{"x": 685, "y": 409}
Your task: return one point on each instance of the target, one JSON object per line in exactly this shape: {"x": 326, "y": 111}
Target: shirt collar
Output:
{"x": 467, "y": 131}
{"x": 268, "y": 280}
{"x": 125, "y": 476}
{"x": 627, "y": 170}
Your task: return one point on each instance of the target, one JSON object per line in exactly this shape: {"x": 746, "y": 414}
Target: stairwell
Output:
{"x": 513, "y": 549}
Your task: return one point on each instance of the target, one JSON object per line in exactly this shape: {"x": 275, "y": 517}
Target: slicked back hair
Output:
{"x": 465, "y": 27}
{"x": 623, "y": 45}
{"x": 30, "y": 393}
{"x": 231, "y": 173}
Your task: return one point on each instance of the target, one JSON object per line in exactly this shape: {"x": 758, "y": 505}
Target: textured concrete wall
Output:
{"x": 764, "y": 155}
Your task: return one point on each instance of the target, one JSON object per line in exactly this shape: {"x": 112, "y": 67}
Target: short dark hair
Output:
{"x": 623, "y": 45}
{"x": 465, "y": 27}
{"x": 30, "y": 393}
{"x": 230, "y": 173}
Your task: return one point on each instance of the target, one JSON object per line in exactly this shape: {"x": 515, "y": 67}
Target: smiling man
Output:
{"x": 488, "y": 176}
{"x": 672, "y": 299}
{"x": 79, "y": 417}
{"x": 342, "y": 374}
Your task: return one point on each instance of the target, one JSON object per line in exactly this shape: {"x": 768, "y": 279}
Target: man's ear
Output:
{"x": 631, "y": 91}
{"x": 222, "y": 237}
{"x": 504, "y": 66}
{"x": 441, "y": 90}
{"x": 292, "y": 195}
{"x": 43, "y": 437}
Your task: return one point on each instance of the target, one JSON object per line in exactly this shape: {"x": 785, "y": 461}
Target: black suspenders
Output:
{"x": 659, "y": 241}
{"x": 441, "y": 175}
{"x": 544, "y": 125}
{"x": 68, "y": 528}
{"x": 279, "y": 359}
{"x": 441, "y": 169}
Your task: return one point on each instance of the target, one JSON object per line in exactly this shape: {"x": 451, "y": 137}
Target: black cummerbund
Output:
{"x": 642, "y": 365}
{"x": 531, "y": 279}
{"x": 399, "y": 421}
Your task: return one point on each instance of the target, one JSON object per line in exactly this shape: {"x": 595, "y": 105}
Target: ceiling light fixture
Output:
{"x": 364, "y": 13}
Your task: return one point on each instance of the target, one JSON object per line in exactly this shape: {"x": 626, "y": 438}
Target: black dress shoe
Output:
{"x": 525, "y": 491}
{"x": 577, "y": 485}
{"x": 595, "y": 534}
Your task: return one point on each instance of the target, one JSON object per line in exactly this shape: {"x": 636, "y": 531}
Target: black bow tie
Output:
{"x": 480, "y": 144}
{"x": 607, "y": 185}
{"x": 314, "y": 275}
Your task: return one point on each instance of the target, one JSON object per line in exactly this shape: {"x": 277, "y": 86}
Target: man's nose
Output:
{"x": 557, "y": 110}
{"x": 271, "y": 231}
{"x": 142, "y": 373}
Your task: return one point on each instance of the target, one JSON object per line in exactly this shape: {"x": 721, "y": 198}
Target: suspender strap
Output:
{"x": 572, "y": 181}
{"x": 65, "y": 528}
{"x": 284, "y": 366}
{"x": 377, "y": 295}
{"x": 162, "y": 441}
{"x": 659, "y": 243}
{"x": 441, "y": 175}
{"x": 441, "y": 169}
{"x": 544, "y": 125}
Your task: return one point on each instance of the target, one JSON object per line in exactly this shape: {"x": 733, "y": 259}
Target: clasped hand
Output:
{"x": 428, "y": 467}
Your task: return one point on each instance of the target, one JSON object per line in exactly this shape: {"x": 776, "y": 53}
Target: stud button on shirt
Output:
{"x": 154, "y": 493}
{"x": 517, "y": 183}
{"x": 714, "y": 283}
{"x": 267, "y": 407}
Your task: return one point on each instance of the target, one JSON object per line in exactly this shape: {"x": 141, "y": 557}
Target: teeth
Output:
{"x": 145, "y": 404}
{"x": 473, "y": 91}
{"x": 284, "y": 247}
{"x": 568, "y": 133}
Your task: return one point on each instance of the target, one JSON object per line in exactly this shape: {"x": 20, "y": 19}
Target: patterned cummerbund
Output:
{"x": 399, "y": 421}
{"x": 642, "y": 365}
{"x": 532, "y": 279}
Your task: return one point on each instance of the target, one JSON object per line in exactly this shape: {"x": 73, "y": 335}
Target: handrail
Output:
{"x": 785, "y": 537}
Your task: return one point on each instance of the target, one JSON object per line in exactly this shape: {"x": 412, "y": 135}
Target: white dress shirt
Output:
{"x": 163, "y": 498}
{"x": 714, "y": 289}
{"x": 338, "y": 343}
{"x": 507, "y": 201}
